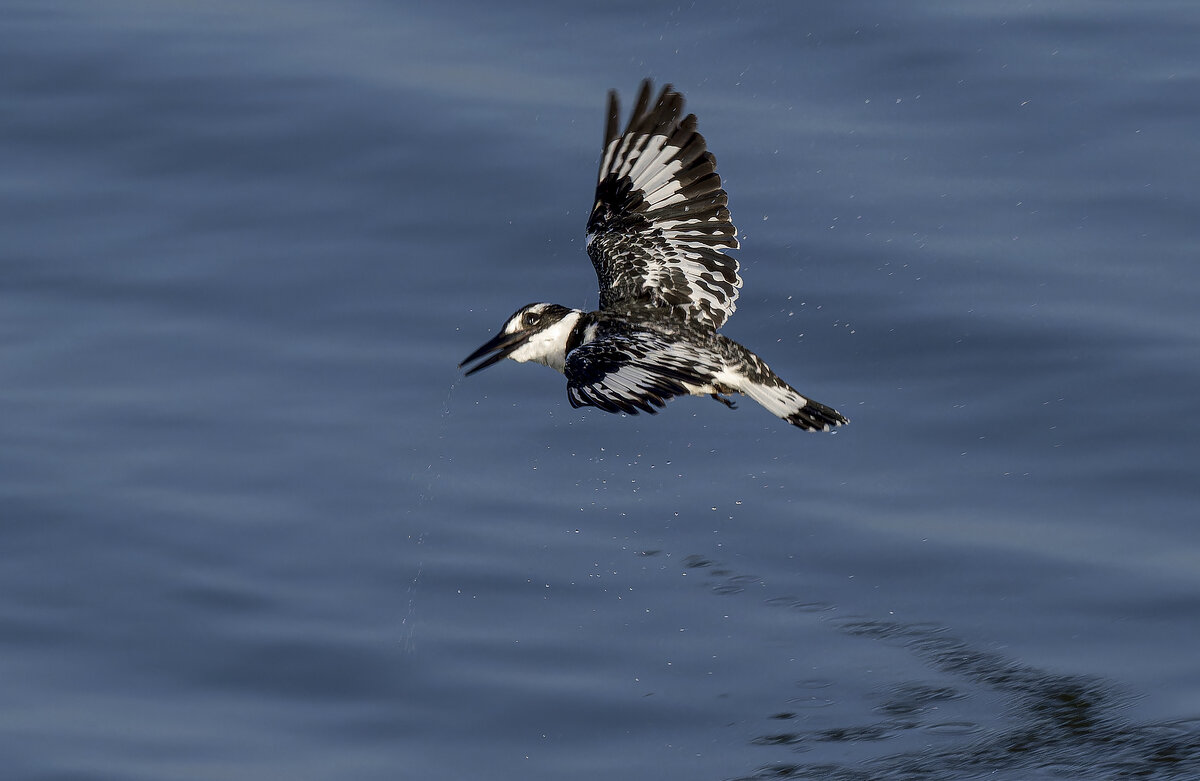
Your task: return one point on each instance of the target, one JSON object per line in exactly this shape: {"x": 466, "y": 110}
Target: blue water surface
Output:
{"x": 254, "y": 524}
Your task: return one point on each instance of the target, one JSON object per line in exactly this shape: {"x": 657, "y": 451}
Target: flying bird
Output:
{"x": 657, "y": 236}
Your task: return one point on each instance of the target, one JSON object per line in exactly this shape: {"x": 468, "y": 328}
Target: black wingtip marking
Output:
{"x": 614, "y": 116}
{"x": 640, "y": 105}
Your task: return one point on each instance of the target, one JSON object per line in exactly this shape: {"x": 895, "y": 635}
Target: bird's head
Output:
{"x": 535, "y": 332}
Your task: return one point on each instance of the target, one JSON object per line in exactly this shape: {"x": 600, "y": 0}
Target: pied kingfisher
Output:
{"x": 657, "y": 236}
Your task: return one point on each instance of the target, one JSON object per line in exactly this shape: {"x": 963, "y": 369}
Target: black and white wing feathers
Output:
{"x": 632, "y": 371}
{"x": 660, "y": 225}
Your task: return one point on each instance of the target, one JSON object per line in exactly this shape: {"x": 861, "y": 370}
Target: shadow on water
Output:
{"x": 1049, "y": 726}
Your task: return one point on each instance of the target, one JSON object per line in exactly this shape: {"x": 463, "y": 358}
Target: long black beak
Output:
{"x": 502, "y": 345}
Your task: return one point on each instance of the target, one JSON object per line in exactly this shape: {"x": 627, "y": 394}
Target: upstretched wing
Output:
{"x": 628, "y": 372}
{"x": 660, "y": 225}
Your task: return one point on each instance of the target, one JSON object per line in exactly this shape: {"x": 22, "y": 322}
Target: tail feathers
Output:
{"x": 783, "y": 401}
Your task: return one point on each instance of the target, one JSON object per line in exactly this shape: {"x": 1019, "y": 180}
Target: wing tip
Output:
{"x": 612, "y": 122}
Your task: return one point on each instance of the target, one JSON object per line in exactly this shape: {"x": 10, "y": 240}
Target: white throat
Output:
{"x": 549, "y": 346}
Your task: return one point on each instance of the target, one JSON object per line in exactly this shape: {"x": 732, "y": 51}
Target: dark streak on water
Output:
{"x": 1053, "y": 725}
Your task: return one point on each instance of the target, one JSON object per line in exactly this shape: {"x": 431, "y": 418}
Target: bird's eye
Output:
{"x": 531, "y": 318}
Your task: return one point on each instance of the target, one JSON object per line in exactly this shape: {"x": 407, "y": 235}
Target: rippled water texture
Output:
{"x": 256, "y": 525}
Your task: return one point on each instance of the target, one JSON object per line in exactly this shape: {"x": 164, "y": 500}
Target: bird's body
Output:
{"x": 656, "y": 236}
